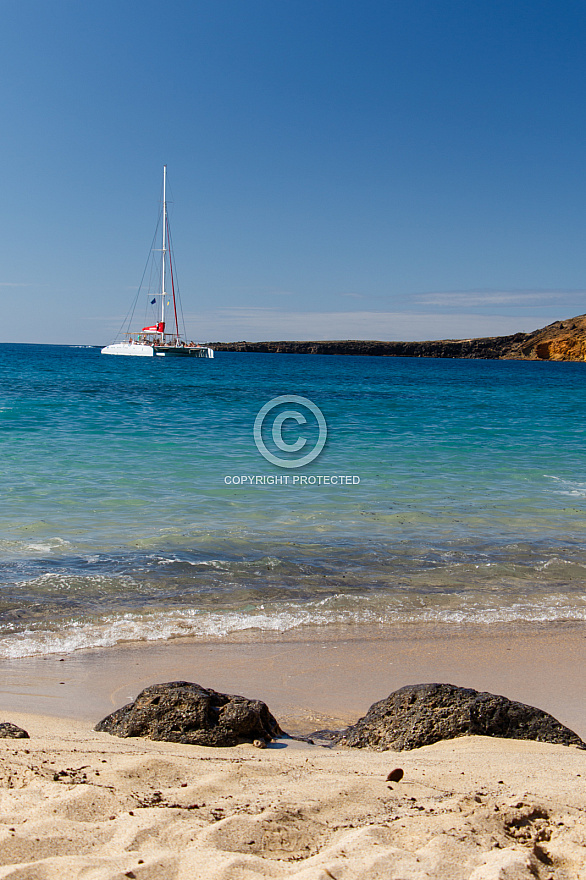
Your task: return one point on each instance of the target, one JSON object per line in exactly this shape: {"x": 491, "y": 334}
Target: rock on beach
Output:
{"x": 423, "y": 714}
{"x": 11, "y": 731}
{"x": 184, "y": 712}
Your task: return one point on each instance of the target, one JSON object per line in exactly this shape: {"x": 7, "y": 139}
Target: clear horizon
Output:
{"x": 337, "y": 170}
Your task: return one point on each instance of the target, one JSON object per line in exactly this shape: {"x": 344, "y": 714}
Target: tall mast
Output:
{"x": 163, "y": 293}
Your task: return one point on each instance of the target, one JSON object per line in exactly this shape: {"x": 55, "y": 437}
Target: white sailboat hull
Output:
{"x": 135, "y": 349}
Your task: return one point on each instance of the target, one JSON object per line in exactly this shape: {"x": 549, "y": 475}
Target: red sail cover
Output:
{"x": 156, "y": 328}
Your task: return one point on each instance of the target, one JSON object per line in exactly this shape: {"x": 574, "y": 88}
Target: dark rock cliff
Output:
{"x": 561, "y": 341}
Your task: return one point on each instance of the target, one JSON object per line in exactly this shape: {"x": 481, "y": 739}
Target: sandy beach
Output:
{"x": 76, "y": 803}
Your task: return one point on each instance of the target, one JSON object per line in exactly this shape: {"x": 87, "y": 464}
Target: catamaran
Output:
{"x": 154, "y": 339}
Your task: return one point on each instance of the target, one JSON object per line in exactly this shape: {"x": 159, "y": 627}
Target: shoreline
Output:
{"x": 313, "y": 680}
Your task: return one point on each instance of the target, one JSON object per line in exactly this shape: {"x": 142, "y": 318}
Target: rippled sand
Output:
{"x": 78, "y": 804}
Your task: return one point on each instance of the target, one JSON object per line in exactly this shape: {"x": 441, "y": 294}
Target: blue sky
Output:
{"x": 391, "y": 169}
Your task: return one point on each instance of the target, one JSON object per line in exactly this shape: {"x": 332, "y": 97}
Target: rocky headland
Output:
{"x": 560, "y": 341}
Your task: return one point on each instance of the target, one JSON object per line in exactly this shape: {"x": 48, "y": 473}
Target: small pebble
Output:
{"x": 259, "y": 744}
{"x": 395, "y": 775}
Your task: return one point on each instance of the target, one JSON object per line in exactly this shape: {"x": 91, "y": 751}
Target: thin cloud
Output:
{"x": 262, "y": 291}
{"x": 470, "y": 298}
{"x": 257, "y": 324}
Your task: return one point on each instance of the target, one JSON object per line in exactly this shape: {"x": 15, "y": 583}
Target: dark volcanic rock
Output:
{"x": 560, "y": 341}
{"x": 11, "y": 731}
{"x": 422, "y": 714}
{"x": 184, "y": 712}
{"x": 490, "y": 347}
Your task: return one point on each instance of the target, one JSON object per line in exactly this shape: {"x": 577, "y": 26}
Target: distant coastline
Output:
{"x": 560, "y": 341}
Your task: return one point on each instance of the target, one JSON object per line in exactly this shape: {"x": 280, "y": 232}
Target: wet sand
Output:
{"x": 316, "y": 681}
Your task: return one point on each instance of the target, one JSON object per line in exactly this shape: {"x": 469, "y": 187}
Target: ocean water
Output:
{"x": 135, "y": 504}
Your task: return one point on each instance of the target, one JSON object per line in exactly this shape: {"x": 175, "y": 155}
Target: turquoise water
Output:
{"x": 121, "y": 517}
